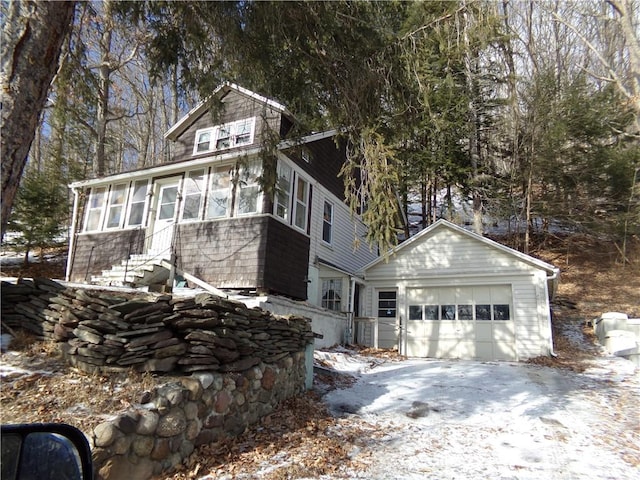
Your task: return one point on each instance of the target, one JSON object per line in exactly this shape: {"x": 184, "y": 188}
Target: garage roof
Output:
{"x": 552, "y": 271}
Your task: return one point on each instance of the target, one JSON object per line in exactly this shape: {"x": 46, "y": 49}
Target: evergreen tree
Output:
{"x": 40, "y": 213}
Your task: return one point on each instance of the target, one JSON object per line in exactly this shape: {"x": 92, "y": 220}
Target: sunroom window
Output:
{"x": 219, "y": 192}
{"x": 249, "y": 188}
{"x": 95, "y": 208}
{"x": 116, "y": 205}
{"x": 138, "y": 201}
{"x": 193, "y": 191}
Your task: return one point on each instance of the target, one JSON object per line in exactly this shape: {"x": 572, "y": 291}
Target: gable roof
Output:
{"x": 551, "y": 270}
{"x": 193, "y": 114}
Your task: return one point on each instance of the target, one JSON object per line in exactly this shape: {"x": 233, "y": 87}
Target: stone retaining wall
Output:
{"x": 240, "y": 364}
{"x": 158, "y": 435}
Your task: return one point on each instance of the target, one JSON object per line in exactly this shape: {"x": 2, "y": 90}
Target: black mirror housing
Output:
{"x": 44, "y": 451}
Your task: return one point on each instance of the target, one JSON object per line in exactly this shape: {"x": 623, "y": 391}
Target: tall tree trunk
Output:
{"x": 32, "y": 39}
{"x": 104, "y": 74}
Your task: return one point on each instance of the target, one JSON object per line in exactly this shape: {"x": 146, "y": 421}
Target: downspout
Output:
{"x": 72, "y": 233}
{"x": 351, "y": 310}
{"x": 553, "y": 278}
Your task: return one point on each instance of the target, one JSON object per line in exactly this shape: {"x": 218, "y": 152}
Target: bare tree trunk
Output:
{"x": 32, "y": 39}
{"x": 104, "y": 74}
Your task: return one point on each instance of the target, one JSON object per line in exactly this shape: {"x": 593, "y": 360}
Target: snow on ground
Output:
{"x": 437, "y": 419}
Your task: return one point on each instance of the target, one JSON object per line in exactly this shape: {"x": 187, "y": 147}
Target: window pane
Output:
{"x": 203, "y": 143}
{"x": 331, "y": 291}
{"x": 448, "y": 312}
{"x": 501, "y": 312}
{"x": 193, "y": 187}
{"x": 431, "y": 312}
{"x": 415, "y": 312}
{"x": 191, "y": 207}
{"x": 94, "y": 211}
{"x": 218, "y": 204}
{"x": 283, "y": 194}
{"x": 114, "y": 217}
{"x": 248, "y": 199}
{"x": 465, "y": 312}
{"x": 168, "y": 203}
{"x": 135, "y": 215}
{"x": 223, "y": 137}
{"x": 483, "y": 312}
{"x": 140, "y": 191}
{"x": 93, "y": 221}
{"x": 243, "y": 132}
{"x": 116, "y": 205}
{"x": 138, "y": 201}
{"x": 301, "y": 216}
{"x": 327, "y": 222}
{"x": 386, "y": 304}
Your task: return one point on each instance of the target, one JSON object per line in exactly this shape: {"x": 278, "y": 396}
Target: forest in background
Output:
{"x": 527, "y": 111}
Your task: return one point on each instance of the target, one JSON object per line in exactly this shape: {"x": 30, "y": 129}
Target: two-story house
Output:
{"x": 240, "y": 206}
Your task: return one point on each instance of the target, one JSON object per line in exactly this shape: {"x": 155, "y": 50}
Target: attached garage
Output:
{"x": 449, "y": 293}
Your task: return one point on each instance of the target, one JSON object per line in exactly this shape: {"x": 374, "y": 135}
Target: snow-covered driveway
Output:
{"x": 433, "y": 419}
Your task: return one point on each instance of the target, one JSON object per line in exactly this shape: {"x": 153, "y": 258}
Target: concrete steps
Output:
{"x": 137, "y": 271}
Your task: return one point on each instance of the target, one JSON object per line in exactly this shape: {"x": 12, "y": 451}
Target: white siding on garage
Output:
{"x": 447, "y": 253}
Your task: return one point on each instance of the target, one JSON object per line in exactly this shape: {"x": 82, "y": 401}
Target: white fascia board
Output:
{"x": 166, "y": 169}
{"x": 183, "y": 123}
{"x": 314, "y": 137}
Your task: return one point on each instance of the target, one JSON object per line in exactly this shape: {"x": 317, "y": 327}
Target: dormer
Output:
{"x": 241, "y": 123}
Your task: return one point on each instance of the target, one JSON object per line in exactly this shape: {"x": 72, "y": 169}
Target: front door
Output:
{"x": 166, "y": 213}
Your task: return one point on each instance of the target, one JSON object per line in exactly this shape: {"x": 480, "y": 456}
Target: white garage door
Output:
{"x": 461, "y": 322}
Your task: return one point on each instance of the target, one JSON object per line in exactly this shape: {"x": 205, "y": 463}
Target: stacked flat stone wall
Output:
{"x": 229, "y": 365}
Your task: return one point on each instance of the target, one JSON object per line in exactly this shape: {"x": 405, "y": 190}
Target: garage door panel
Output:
{"x": 467, "y": 326}
{"x": 484, "y": 332}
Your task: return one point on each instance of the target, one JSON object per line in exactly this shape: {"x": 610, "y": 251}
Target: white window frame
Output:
{"x": 301, "y": 203}
{"x": 131, "y": 202}
{"x": 101, "y": 198}
{"x": 199, "y": 191}
{"x": 214, "y": 174}
{"x": 284, "y": 192}
{"x": 240, "y": 132}
{"x": 331, "y": 285}
{"x": 327, "y": 222}
{"x": 113, "y": 205}
{"x": 199, "y": 133}
{"x": 251, "y": 171}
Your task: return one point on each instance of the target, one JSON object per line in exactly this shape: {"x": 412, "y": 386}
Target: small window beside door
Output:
{"x": 387, "y": 304}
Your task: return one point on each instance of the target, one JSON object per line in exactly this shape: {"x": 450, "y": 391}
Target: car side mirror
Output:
{"x": 44, "y": 451}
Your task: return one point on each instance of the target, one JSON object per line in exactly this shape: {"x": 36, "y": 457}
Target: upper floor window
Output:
{"x": 283, "y": 194}
{"x": 327, "y": 222}
{"x": 301, "y": 203}
{"x": 224, "y": 136}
